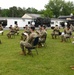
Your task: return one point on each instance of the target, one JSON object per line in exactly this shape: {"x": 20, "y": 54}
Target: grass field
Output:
{"x": 53, "y": 59}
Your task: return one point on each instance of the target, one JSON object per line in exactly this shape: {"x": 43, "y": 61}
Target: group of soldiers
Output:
{"x": 28, "y": 36}
{"x": 66, "y": 33}
{"x": 30, "y": 33}
{"x": 13, "y": 30}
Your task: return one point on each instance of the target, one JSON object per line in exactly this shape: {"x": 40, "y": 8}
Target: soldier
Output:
{"x": 16, "y": 29}
{"x": 10, "y": 32}
{"x": 66, "y": 34}
{"x": 42, "y": 35}
{"x": 40, "y": 28}
{"x": 55, "y": 32}
{"x": 72, "y": 27}
{"x": 26, "y": 29}
{"x": 29, "y": 41}
{"x": 1, "y": 29}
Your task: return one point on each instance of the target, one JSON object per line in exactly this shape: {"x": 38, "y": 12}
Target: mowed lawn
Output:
{"x": 53, "y": 59}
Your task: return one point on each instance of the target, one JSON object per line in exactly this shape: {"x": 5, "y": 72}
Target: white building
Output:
{"x": 20, "y": 21}
{"x": 27, "y": 19}
{"x": 56, "y": 21}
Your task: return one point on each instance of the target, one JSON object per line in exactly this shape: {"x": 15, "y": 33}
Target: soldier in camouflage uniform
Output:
{"x": 11, "y": 31}
{"x": 55, "y": 32}
{"x": 16, "y": 29}
{"x": 1, "y": 29}
{"x": 42, "y": 35}
{"x": 26, "y": 30}
{"x": 66, "y": 34}
{"x": 29, "y": 41}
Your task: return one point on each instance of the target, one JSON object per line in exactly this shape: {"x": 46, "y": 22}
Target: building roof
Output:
{"x": 10, "y": 17}
{"x": 31, "y": 16}
{"x": 64, "y": 17}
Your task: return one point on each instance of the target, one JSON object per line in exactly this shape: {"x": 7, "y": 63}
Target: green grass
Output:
{"x": 54, "y": 59}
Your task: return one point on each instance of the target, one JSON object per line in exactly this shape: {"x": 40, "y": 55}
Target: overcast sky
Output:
{"x": 38, "y": 4}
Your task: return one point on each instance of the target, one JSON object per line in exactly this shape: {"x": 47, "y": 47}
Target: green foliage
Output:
{"x": 31, "y": 10}
{"x": 53, "y": 8}
{"x": 53, "y": 59}
{"x": 48, "y": 13}
{"x": 4, "y": 12}
{"x": 60, "y": 7}
{"x": 16, "y": 11}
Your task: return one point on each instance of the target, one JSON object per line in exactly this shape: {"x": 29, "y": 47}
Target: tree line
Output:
{"x": 17, "y": 11}
{"x": 53, "y": 8}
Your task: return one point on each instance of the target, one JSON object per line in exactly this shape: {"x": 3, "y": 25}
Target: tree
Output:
{"x": 31, "y": 10}
{"x": 48, "y": 13}
{"x": 13, "y": 11}
{"x": 4, "y": 12}
{"x": 67, "y": 8}
{"x": 59, "y": 7}
{"x": 20, "y": 11}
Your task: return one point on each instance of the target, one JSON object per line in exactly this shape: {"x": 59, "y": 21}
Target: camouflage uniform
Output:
{"x": 16, "y": 29}
{"x": 28, "y": 42}
{"x": 26, "y": 29}
{"x": 1, "y": 29}
{"x": 11, "y": 32}
{"x": 67, "y": 33}
{"x": 42, "y": 36}
{"x": 55, "y": 32}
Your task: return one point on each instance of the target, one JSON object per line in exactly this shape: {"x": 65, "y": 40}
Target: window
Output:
{"x": 15, "y": 22}
{"x": 29, "y": 22}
